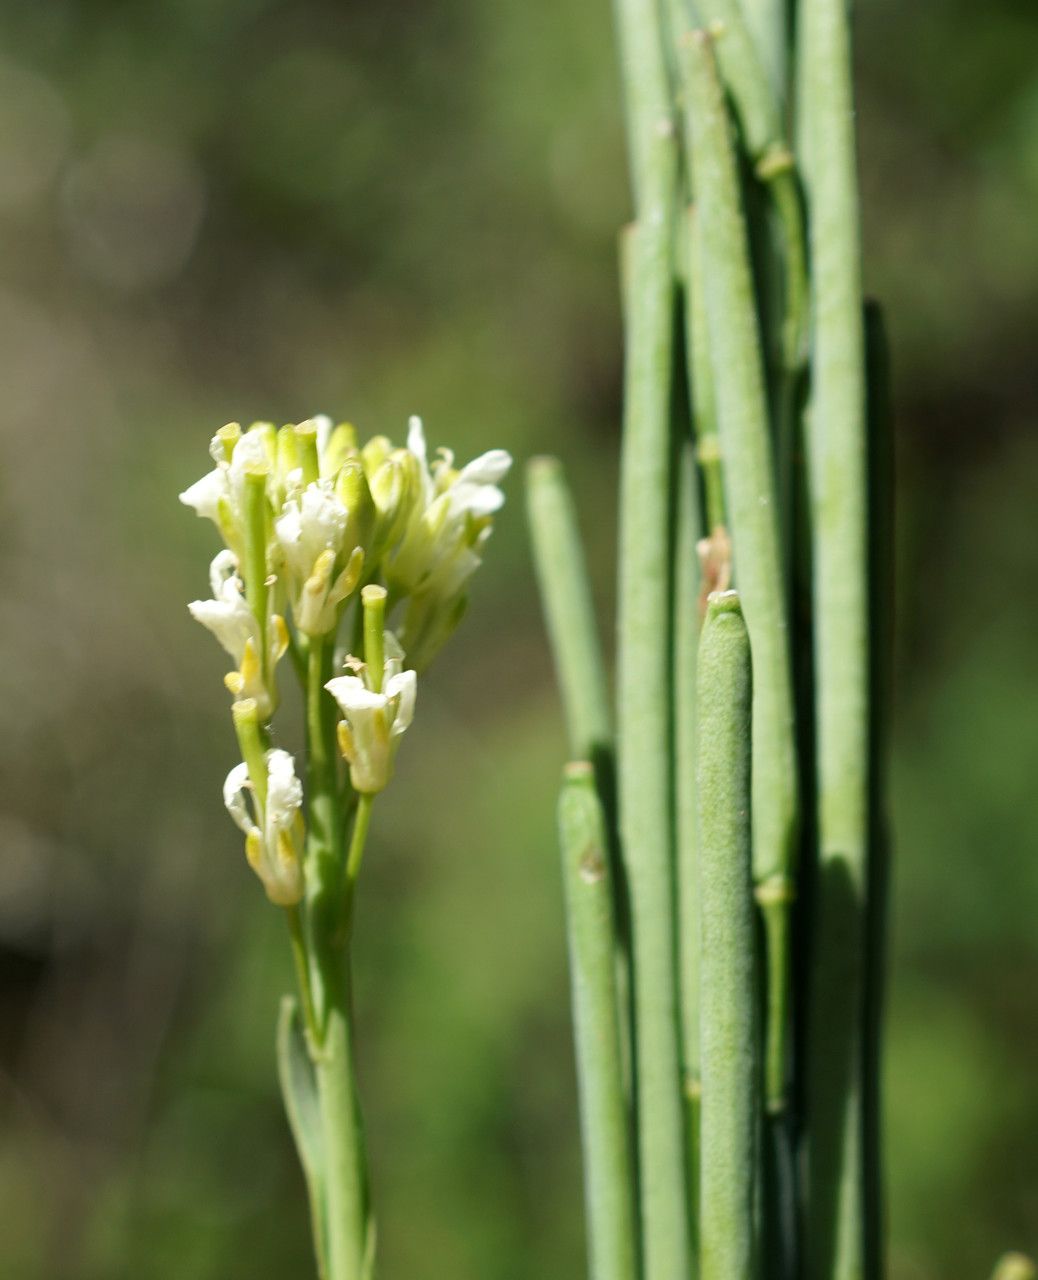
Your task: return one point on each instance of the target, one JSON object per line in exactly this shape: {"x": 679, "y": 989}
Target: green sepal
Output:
{"x": 299, "y": 1091}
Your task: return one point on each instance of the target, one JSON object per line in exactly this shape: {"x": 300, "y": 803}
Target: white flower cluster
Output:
{"x": 308, "y": 518}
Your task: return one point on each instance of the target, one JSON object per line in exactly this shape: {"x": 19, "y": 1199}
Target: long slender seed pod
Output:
{"x": 737, "y": 364}
{"x": 609, "y": 1184}
{"x": 685, "y": 642}
{"x": 730, "y": 1129}
{"x": 569, "y": 609}
{"x": 644, "y": 675}
{"x": 837, "y": 466}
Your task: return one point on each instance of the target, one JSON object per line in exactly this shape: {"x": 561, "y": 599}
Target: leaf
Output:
{"x": 299, "y": 1090}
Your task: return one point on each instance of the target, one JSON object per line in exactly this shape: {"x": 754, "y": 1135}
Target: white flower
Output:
{"x": 229, "y": 617}
{"x": 220, "y": 494}
{"x": 312, "y": 536}
{"x": 274, "y": 830}
{"x": 450, "y": 523}
{"x": 373, "y": 720}
{"x": 313, "y": 523}
{"x": 206, "y": 494}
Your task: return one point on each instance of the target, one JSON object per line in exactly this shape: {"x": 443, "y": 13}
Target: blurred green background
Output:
{"x": 237, "y": 209}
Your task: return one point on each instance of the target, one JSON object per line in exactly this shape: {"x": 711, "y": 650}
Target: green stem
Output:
{"x": 768, "y": 20}
{"x": 358, "y": 839}
{"x": 701, "y": 382}
{"x": 685, "y": 643}
{"x": 569, "y": 609}
{"x": 604, "y": 1117}
{"x": 301, "y": 962}
{"x": 757, "y": 100}
{"x": 738, "y": 371}
{"x": 837, "y": 464}
{"x": 730, "y": 1132}
{"x": 345, "y": 1165}
{"x": 350, "y": 1237}
{"x": 644, "y": 663}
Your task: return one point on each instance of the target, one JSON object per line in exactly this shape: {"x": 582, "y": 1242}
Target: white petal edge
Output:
{"x": 416, "y": 438}
{"x": 234, "y": 788}
{"x": 284, "y": 790}
{"x": 404, "y": 685}
{"x": 352, "y": 695}
{"x": 489, "y": 468}
{"x": 205, "y": 494}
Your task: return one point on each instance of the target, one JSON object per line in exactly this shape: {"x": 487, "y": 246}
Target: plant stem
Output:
{"x": 345, "y": 1166}
{"x": 701, "y": 382}
{"x": 837, "y": 466}
{"x": 685, "y": 628}
{"x": 738, "y": 373}
{"x": 881, "y": 613}
{"x": 569, "y": 609}
{"x": 301, "y": 962}
{"x": 349, "y": 1236}
{"x": 757, "y": 101}
{"x": 605, "y": 1120}
{"x": 644, "y": 660}
{"x": 358, "y": 839}
{"x": 767, "y": 21}
{"x": 730, "y": 1132}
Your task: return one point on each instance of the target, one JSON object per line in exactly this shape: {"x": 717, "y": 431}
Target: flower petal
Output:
{"x": 284, "y": 790}
{"x": 353, "y": 695}
{"x": 250, "y": 453}
{"x": 489, "y": 468}
{"x": 230, "y": 620}
{"x": 416, "y": 439}
{"x": 234, "y": 788}
{"x": 405, "y": 687}
{"x": 479, "y": 499}
{"x": 223, "y": 568}
{"x": 205, "y": 494}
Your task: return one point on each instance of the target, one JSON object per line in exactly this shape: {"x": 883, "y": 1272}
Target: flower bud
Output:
{"x": 352, "y": 490}
{"x": 342, "y": 444}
